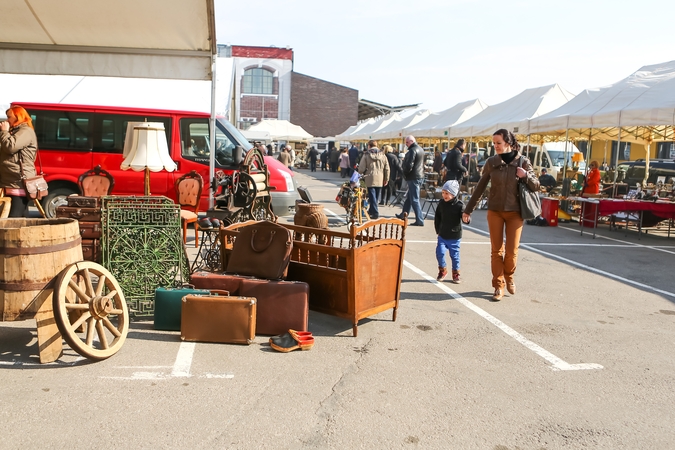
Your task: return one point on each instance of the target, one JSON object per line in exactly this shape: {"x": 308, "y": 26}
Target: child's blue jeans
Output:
{"x": 451, "y": 246}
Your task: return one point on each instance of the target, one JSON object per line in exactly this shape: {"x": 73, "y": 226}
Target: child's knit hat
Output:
{"x": 452, "y": 186}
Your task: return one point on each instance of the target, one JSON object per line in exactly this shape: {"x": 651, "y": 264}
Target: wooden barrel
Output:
{"x": 32, "y": 253}
{"x": 302, "y": 210}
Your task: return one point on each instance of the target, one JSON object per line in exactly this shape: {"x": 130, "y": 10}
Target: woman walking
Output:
{"x": 504, "y": 171}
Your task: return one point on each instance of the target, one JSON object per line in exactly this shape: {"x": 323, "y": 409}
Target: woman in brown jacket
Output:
{"x": 503, "y": 171}
{"x": 17, "y": 141}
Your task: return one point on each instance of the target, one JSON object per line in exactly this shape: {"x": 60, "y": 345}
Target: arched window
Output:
{"x": 258, "y": 81}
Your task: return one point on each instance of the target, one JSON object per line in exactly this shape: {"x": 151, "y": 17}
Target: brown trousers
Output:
{"x": 504, "y": 256}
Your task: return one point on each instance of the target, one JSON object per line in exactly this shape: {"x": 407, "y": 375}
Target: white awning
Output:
{"x": 120, "y": 38}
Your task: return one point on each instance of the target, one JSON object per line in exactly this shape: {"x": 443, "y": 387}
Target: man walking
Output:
{"x": 313, "y": 154}
{"x": 353, "y": 158}
{"x": 413, "y": 173}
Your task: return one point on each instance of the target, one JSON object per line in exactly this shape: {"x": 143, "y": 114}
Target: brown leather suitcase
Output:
{"x": 216, "y": 318}
{"x": 79, "y": 201}
{"x": 282, "y": 305}
{"x": 210, "y": 280}
{"x": 85, "y": 214}
{"x": 91, "y": 250}
{"x": 90, "y": 230}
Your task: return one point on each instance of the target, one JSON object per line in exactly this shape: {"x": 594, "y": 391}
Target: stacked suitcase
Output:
{"x": 87, "y": 211}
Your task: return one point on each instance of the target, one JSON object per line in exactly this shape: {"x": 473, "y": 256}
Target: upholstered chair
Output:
{"x": 96, "y": 182}
{"x": 188, "y": 193}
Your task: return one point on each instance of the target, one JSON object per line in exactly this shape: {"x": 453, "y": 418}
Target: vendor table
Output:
{"x": 592, "y": 208}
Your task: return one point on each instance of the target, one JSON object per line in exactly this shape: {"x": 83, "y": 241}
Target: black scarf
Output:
{"x": 508, "y": 157}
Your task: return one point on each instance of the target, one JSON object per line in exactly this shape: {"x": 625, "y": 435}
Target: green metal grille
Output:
{"x": 142, "y": 247}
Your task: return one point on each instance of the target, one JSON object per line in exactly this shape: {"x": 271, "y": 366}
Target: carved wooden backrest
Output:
{"x": 189, "y": 189}
{"x": 96, "y": 182}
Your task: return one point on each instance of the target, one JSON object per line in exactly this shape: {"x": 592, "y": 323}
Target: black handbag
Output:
{"x": 530, "y": 204}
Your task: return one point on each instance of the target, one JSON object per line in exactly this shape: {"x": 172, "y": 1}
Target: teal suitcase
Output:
{"x": 168, "y": 303}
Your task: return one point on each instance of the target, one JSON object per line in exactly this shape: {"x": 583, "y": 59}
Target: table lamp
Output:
{"x": 577, "y": 157}
{"x": 146, "y": 148}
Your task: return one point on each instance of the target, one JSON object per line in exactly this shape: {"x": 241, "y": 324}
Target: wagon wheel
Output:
{"x": 90, "y": 310}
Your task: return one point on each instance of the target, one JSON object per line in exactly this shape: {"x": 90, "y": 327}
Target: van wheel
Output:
{"x": 55, "y": 198}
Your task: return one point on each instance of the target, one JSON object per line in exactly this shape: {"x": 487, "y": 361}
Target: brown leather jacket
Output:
{"x": 503, "y": 184}
{"x": 18, "y": 140}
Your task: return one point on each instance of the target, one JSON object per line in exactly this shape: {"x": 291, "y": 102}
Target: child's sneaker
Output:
{"x": 442, "y": 273}
{"x": 455, "y": 277}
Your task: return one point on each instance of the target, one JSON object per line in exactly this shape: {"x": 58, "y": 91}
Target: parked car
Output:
{"x": 75, "y": 138}
{"x": 634, "y": 171}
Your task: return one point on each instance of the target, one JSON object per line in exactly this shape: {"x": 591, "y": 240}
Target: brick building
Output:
{"x": 320, "y": 107}
{"x": 265, "y": 87}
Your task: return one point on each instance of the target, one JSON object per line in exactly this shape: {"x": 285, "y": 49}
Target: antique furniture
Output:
{"x": 352, "y": 275}
{"x": 96, "y": 182}
{"x": 188, "y": 193}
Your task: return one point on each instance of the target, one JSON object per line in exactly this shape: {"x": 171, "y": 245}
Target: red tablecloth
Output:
{"x": 666, "y": 210}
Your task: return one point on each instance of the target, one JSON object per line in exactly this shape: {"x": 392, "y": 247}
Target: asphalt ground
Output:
{"x": 581, "y": 357}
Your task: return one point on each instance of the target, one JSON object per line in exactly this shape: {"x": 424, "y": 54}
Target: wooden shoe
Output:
{"x": 499, "y": 293}
{"x": 287, "y": 342}
{"x": 511, "y": 287}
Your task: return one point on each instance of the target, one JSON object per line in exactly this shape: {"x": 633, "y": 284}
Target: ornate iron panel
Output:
{"x": 143, "y": 248}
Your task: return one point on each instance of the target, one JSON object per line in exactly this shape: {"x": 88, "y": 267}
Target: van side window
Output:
{"x": 62, "y": 130}
{"x": 195, "y": 143}
{"x": 112, "y": 130}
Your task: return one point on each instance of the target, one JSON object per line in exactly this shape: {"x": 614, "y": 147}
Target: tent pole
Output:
{"x": 212, "y": 133}
{"x": 616, "y": 158}
{"x": 647, "y": 156}
{"x": 564, "y": 175}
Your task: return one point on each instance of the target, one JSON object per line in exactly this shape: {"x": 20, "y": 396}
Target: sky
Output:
{"x": 442, "y": 52}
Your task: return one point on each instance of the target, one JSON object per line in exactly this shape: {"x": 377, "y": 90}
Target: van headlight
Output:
{"x": 290, "y": 186}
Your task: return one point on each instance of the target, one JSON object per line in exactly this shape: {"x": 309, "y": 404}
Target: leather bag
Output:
{"x": 530, "y": 204}
{"x": 261, "y": 250}
{"x": 36, "y": 187}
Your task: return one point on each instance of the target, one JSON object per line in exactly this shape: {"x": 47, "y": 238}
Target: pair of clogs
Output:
{"x": 292, "y": 340}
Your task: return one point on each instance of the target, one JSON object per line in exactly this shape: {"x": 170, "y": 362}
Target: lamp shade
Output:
{"x": 146, "y": 148}
{"x": 577, "y": 157}
{"x": 129, "y": 141}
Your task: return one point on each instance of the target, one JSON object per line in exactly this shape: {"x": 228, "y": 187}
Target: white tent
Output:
{"x": 281, "y": 130}
{"x": 396, "y": 129}
{"x": 370, "y": 129}
{"x": 354, "y": 129}
{"x": 642, "y": 104}
{"x": 437, "y": 124}
{"x": 513, "y": 114}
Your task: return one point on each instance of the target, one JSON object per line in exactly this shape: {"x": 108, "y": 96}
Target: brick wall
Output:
{"x": 320, "y": 107}
{"x": 262, "y": 52}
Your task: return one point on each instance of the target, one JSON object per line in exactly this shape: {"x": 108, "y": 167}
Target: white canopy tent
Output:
{"x": 437, "y": 124}
{"x": 281, "y": 130}
{"x": 354, "y": 129}
{"x": 396, "y": 129}
{"x": 513, "y": 114}
{"x": 122, "y": 38}
{"x": 370, "y": 129}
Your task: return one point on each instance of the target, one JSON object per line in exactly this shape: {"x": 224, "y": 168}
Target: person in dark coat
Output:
{"x": 324, "y": 161}
{"x": 313, "y": 154}
{"x": 448, "y": 225}
{"x": 453, "y": 162}
{"x": 334, "y": 158}
{"x": 394, "y": 174}
{"x": 438, "y": 162}
{"x": 413, "y": 172}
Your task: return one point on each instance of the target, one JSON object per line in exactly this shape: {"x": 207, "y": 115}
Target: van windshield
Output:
{"x": 235, "y": 134}
{"x": 558, "y": 159}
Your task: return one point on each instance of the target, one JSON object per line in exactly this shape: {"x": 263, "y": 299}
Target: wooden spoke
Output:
{"x": 111, "y": 327}
{"x": 78, "y": 291}
{"x": 94, "y": 310}
{"x": 101, "y": 284}
{"x": 86, "y": 315}
{"x": 90, "y": 331}
{"x": 80, "y": 306}
{"x": 88, "y": 283}
{"x": 101, "y": 334}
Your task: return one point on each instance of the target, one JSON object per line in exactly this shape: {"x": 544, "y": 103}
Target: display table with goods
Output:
{"x": 42, "y": 276}
{"x": 352, "y": 275}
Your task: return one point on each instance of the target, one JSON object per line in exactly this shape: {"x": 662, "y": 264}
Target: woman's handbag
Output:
{"x": 530, "y": 205}
{"x": 261, "y": 250}
{"x": 36, "y": 187}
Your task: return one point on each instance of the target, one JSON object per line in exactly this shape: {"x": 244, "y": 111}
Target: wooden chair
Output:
{"x": 188, "y": 193}
{"x": 5, "y": 204}
{"x": 96, "y": 182}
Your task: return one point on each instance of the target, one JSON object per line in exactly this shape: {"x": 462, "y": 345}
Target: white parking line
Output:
{"x": 181, "y": 368}
{"x": 556, "y": 363}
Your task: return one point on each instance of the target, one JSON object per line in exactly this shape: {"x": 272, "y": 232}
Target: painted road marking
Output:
{"x": 556, "y": 363}
{"x": 181, "y": 368}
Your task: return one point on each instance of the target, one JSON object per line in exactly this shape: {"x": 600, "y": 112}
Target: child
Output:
{"x": 448, "y": 224}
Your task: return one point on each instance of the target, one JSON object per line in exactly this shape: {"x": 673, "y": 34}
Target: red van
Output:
{"x": 75, "y": 138}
